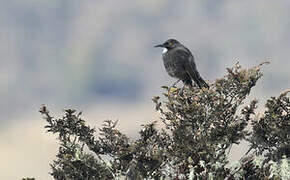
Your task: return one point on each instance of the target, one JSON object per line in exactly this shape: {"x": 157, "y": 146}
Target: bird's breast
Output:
{"x": 173, "y": 66}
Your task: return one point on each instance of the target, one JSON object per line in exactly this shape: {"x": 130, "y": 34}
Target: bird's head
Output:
{"x": 169, "y": 44}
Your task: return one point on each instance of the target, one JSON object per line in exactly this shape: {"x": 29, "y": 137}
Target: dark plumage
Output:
{"x": 179, "y": 63}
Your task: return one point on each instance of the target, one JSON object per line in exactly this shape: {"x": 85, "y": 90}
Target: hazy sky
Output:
{"x": 98, "y": 57}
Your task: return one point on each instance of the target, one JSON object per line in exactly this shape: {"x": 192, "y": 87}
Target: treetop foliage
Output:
{"x": 200, "y": 126}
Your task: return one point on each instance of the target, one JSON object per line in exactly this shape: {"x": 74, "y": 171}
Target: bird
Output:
{"x": 180, "y": 64}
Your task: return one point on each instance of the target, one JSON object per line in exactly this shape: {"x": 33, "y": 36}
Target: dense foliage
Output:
{"x": 200, "y": 126}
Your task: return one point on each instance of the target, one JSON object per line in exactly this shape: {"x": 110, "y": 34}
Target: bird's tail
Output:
{"x": 201, "y": 83}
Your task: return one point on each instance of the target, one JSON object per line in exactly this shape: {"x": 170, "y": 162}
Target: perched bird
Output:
{"x": 179, "y": 63}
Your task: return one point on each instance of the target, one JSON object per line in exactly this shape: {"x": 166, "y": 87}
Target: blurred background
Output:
{"x": 98, "y": 57}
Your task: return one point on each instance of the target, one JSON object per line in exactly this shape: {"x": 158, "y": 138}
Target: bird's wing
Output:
{"x": 182, "y": 56}
{"x": 191, "y": 68}
{"x": 187, "y": 59}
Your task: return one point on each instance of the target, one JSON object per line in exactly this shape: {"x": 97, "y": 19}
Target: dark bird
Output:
{"x": 179, "y": 63}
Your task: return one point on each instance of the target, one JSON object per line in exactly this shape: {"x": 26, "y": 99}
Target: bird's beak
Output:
{"x": 159, "y": 45}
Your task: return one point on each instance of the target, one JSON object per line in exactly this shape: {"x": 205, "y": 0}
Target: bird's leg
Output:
{"x": 181, "y": 91}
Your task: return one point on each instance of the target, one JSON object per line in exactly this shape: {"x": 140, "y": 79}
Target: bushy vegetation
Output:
{"x": 200, "y": 126}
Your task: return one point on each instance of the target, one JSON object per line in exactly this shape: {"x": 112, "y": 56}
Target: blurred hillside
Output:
{"x": 72, "y": 52}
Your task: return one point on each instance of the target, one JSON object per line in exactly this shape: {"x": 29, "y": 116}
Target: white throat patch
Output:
{"x": 164, "y": 50}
